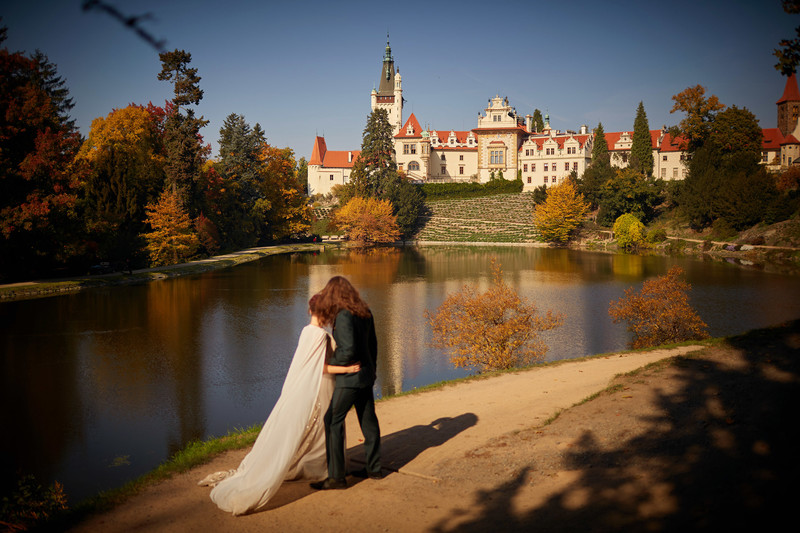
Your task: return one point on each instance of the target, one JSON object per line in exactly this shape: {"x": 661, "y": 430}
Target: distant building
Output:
{"x": 503, "y": 144}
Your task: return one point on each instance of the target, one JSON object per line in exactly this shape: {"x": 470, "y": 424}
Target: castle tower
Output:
{"x": 789, "y": 106}
{"x": 389, "y": 94}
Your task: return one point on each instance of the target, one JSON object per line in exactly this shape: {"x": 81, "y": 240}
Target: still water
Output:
{"x": 100, "y": 386}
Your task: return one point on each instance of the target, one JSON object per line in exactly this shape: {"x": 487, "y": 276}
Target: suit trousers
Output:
{"x": 343, "y": 399}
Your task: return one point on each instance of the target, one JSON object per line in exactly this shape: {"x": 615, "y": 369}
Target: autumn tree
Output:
{"x": 375, "y": 174}
{"x": 789, "y": 53}
{"x": 282, "y": 208}
{"x": 642, "y": 147}
{"x": 367, "y": 221}
{"x": 172, "y": 238}
{"x": 629, "y": 232}
{"x": 126, "y": 161}
{"x": 561, "y": 213}
{"x": 184, "y": 148}
{"x": 660, "y": 313}
{"x": 41, "y": 184}
{"x": 491, "y": 330}
{"x": 700, "y": 114}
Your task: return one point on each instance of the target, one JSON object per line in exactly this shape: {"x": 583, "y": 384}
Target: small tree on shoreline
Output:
{"x": 491, "y": 330}
{"x": 660, "y": 313}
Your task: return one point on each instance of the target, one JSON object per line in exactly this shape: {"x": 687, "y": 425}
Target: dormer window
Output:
{"x": 410, "y": 130}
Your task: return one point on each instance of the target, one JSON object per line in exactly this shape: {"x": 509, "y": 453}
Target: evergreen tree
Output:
{"x": 600, "y": 147}
{"x": 599, "y": 171}
{"x": 375, "y": 167}
{"x": 538, "y": 121}
{"x": 185, "y": 152}
{"x": 642, "y": 147}
{"x": 629, "y": 192}
{"x": 375, "y": 174}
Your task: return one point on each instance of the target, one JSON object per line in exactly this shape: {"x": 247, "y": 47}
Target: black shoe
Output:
{"x": 330, "y": 484}
{"x": 364, "y": 474}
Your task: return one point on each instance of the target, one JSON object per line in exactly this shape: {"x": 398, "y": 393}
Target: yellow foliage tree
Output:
{"x": 283, "y": 207}
{"x": 561, "y": 213}
{"x": 491, "y": 330}
{"x": 173, "y": 238}
{"x": 660, "y": 313}
{"x": 130, "y": 129}
{"x": 367, "y": 221}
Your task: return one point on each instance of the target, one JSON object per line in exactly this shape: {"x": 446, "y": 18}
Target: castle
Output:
{"x": 506, "y": 145}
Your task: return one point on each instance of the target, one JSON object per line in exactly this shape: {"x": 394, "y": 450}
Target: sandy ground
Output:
{"x": 704, "y": 444}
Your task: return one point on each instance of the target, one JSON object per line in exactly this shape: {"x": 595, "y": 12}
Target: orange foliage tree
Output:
{"x": 367, "y": 221}
{"x": 173, "y": 238}
{"x": 660, "y": 313}
{"x": 491, "y": 330}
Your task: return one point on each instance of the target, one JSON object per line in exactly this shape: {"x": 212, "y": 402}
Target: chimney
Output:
{"x": 349, "y": 157}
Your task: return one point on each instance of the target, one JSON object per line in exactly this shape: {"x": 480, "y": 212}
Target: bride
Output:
{"x": 291, "y": 445}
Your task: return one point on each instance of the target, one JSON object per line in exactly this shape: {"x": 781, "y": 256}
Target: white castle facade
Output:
{"x": 504, "y": 144}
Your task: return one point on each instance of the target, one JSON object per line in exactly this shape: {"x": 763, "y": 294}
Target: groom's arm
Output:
{"x": 344, "y": 335}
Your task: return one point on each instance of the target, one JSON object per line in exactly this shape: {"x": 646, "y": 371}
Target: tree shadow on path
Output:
{"x": 718, "y": 451}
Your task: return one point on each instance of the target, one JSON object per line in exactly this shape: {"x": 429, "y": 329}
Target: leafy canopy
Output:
{"x": 491, "y": 330}
{"x": 660, "y": 313}
{"x": 562, "y": 211}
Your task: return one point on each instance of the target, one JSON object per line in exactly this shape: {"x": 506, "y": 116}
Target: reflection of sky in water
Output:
{"x": 103, "y": 385}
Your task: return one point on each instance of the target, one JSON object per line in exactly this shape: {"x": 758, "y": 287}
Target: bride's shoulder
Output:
{"x": 311, "y": 329}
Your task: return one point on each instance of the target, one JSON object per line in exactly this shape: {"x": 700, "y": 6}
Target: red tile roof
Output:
{"x": 412, "y": 120}
{"x": 790, "y": 92}
{"x": 772, "y": 139}
{"x": 670, "y": 144}
{"x": 318, "y": 152}
{"x": 340, "y": 159}
{"x": 790, "y": 139}
{"x": 444, "y": 135}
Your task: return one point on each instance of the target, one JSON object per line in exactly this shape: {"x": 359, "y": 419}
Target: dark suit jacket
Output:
{"x": 355, "y": 343}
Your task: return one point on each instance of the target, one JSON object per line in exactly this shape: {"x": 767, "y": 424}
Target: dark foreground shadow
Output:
{"x": 721, "y": 454}
{"x": 397, "y": 450}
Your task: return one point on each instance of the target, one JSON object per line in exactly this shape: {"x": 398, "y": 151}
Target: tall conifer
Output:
{"x": 642, "y": 148}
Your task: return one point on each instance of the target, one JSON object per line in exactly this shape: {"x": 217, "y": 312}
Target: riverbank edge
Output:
{"x": 765, "y": 258}
{"x": 200, "y": 452}
{"x": 43, "y": 288}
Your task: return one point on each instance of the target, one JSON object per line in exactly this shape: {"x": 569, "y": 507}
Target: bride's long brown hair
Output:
{"x": 339, "y": 294}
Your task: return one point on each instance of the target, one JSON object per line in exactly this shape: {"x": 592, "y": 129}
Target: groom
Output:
{"x": 354, "y": 333}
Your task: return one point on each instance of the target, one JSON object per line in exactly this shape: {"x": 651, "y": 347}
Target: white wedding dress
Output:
{"x": 291, "y": 445}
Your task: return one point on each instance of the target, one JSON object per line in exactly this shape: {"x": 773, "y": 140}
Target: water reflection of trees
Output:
{"x": 720, "y": 455}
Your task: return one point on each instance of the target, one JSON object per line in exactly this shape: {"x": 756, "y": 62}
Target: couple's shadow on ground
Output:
{"x": 397, "y": 450}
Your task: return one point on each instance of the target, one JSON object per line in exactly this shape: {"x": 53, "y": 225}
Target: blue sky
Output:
{"x": 302, "y": 69}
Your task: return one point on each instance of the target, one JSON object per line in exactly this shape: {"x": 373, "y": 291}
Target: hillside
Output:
{"x": 500, "y": 218}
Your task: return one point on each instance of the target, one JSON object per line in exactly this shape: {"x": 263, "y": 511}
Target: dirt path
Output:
{"x": 427, "y": 439}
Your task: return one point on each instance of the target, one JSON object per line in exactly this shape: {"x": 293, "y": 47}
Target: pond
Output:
{"x": 100, "y": 386}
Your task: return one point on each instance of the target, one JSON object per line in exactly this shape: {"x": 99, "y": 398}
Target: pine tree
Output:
{"x": 538, "y": 121}
{"x": 185, "y": 152}
{"x": 642, "y": 147}
{"x": 375, "y": 169}
{"x": 600, "y": 147}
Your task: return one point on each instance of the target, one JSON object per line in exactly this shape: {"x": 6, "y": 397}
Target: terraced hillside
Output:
{"x": 501, "y": 218}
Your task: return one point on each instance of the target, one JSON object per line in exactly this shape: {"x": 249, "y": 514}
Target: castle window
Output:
{"x": 413, "y": 165}
{"x": 496, "y": 157}
{"x": 545, "y": 169}
{"x": 575, "y": 166}
{"x": 410, "y": 148}
{"x": 444, "y": 169}
{"x": 525, "y": 168}
{"x": 529, "y": 179}
{"x": 331, "y": 177}
{"x": 566, "y": 166}
{"x": 533, "y": 167}
{"x": 461, "y": 158}
{"x": 545, "y": 180}
{"x": 461, "y": 170}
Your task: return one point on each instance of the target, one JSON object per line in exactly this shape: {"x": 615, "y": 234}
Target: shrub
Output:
{"x": 492, "y": 330}
{"x": 629, "y": 231}
{"x": 660, "y": 313}
{"x": 656, "y": 235}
